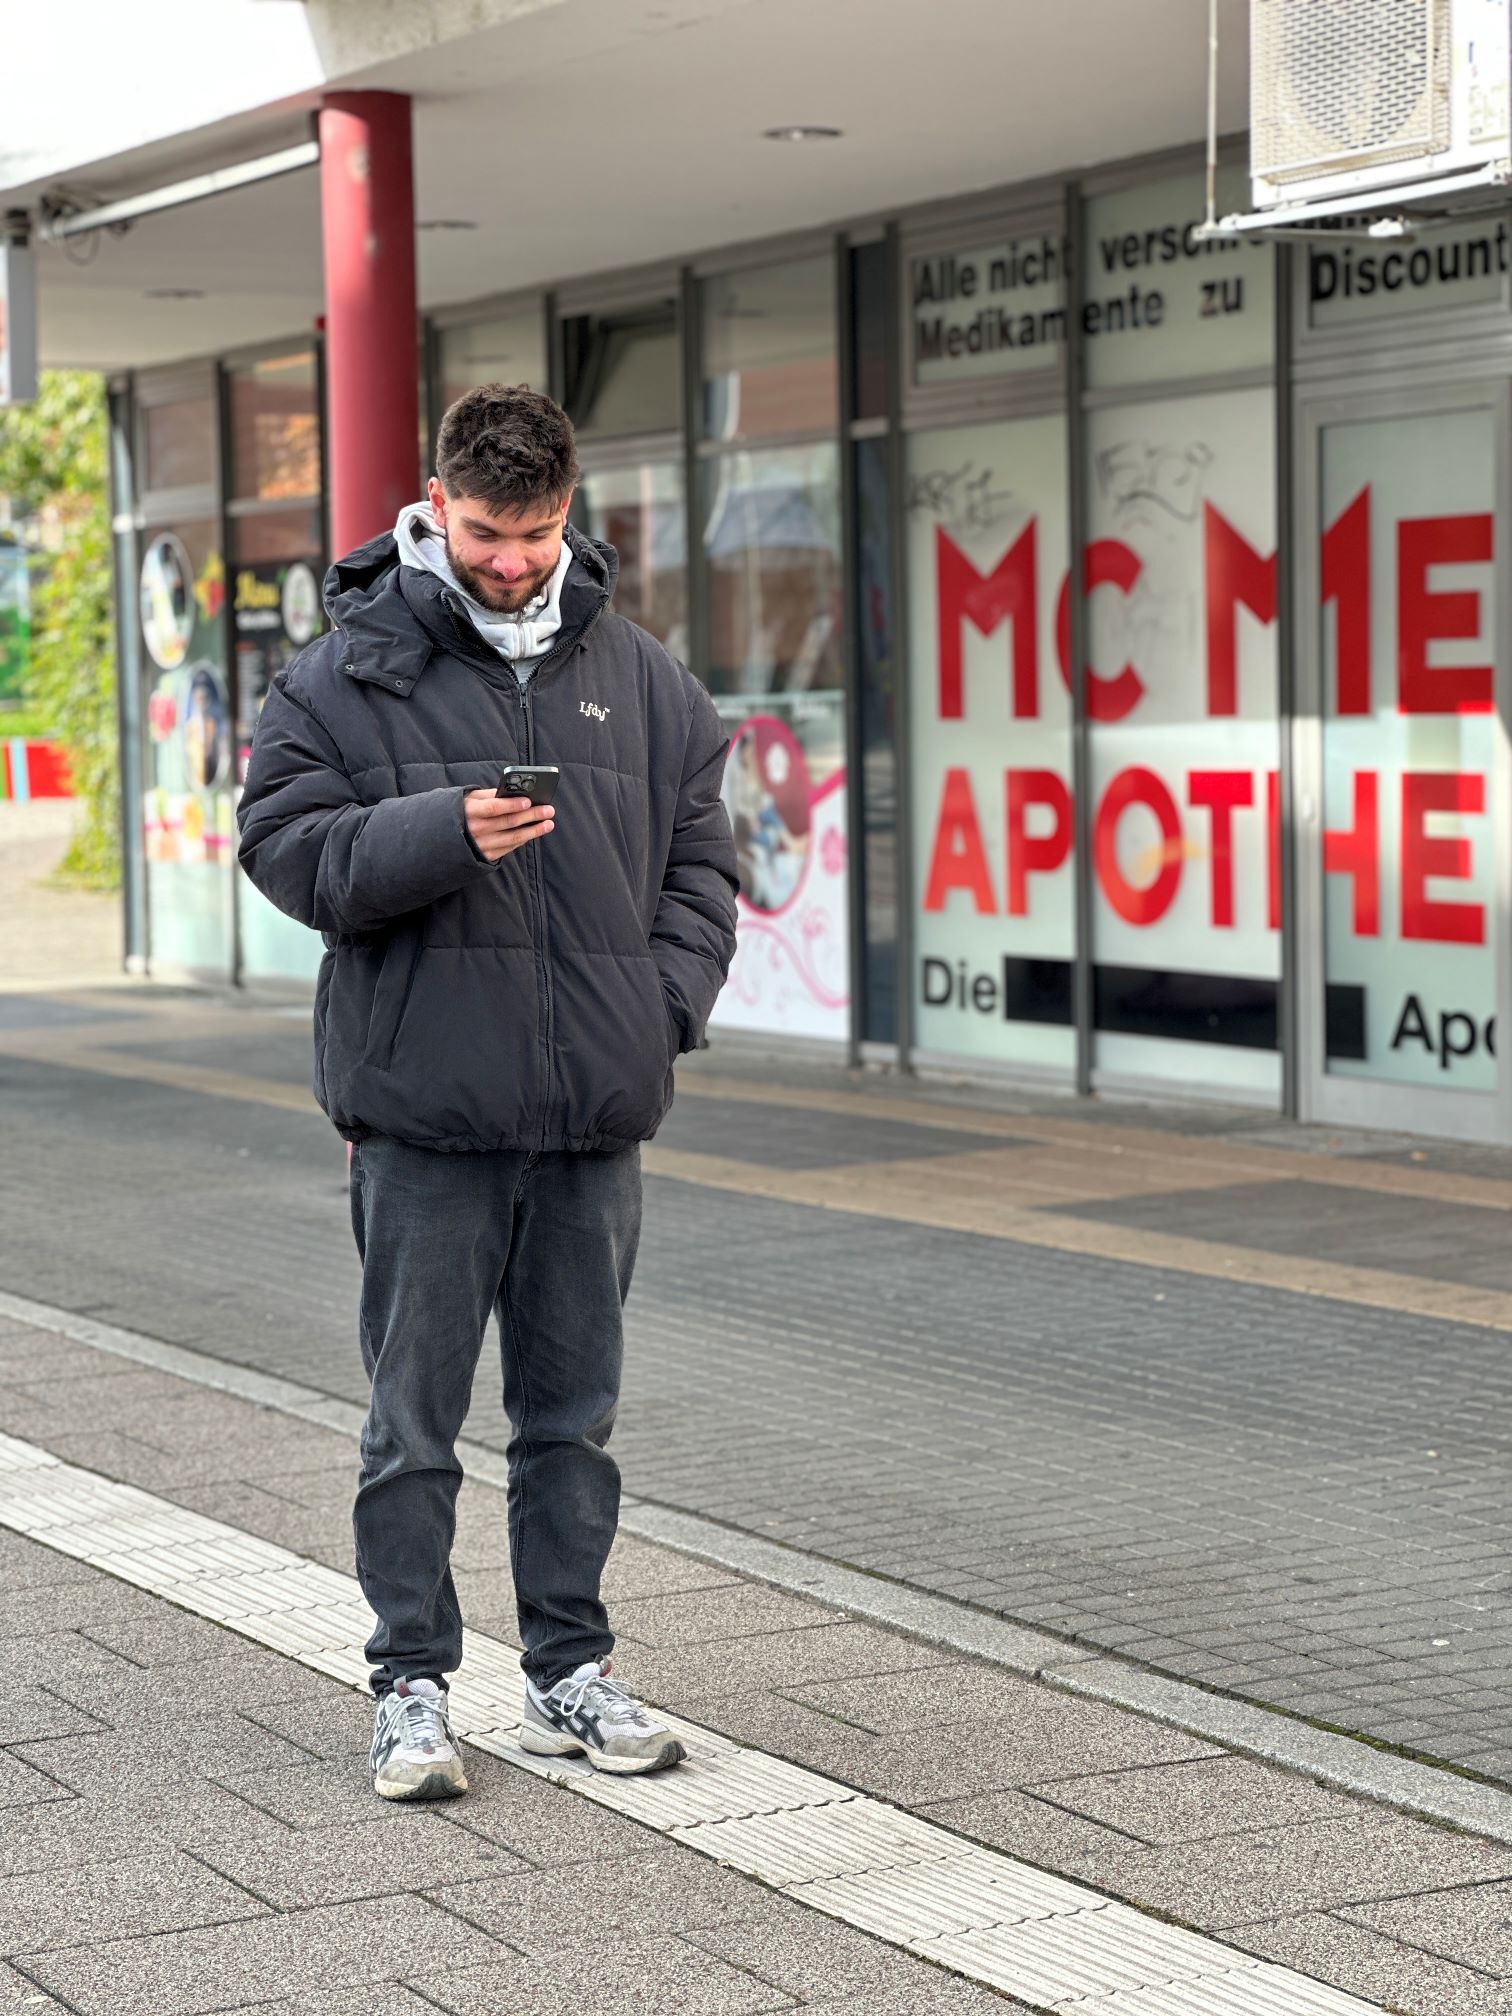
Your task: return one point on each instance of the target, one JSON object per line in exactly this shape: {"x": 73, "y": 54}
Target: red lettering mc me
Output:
{"x": 1009, "y": 594}
{"x": 1235, "y": 576}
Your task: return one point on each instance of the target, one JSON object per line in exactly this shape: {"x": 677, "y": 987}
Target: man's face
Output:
{"x": 502, "y": 558}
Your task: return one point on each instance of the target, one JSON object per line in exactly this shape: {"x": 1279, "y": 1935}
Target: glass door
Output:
{"x": 180, "y": 617}
{"x": 1402, "y": 761}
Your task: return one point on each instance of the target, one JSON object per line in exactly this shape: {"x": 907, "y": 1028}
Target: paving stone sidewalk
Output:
{"x": 1299, "y": 1498}
{"x": 50, "y": 934}
{"x": 186, "y": 1823}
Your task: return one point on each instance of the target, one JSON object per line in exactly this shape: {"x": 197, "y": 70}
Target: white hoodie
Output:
{"x": 523, "y": 638}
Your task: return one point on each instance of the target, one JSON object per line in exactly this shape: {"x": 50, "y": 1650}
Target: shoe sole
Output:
{"x": 547, "y": 1743}
{"x": 434, "y": 1785}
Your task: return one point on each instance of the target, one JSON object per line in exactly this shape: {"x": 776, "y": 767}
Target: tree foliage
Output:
{"x": 53, "y": 468}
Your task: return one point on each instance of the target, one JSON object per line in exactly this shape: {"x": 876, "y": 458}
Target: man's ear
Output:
{"x": 437, "y": 496}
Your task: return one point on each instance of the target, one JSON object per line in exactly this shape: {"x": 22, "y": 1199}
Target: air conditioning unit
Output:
{"x": 1359, "y": 99}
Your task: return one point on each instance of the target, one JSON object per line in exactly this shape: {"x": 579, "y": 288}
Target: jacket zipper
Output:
{"x": 543, "y": 948}
{"x": 537, "y": 874}
{"x": 537, "y": 877}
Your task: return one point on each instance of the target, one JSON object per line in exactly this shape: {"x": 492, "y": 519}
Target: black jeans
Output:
{"x": 548, "y": 1242}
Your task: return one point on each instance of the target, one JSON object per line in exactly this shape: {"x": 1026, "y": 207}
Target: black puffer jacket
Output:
{"x": 536, "y": 1002}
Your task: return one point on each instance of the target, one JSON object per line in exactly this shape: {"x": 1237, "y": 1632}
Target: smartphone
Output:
{"x": 535, "y": 781}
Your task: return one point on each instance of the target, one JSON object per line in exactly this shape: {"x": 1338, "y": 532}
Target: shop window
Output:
{"x": 275, "y": 428}
{"x": 769, "y": 351}
{"x": 276, "y": 609}
{"x": 178, "y": 444}
{"x": 1162, "y": 304}
{"x": 276, "y": 605}
{"x": 1411, "y": 867}
{"x": 621, "y": 370}
{"x": 278, "y": 535}
{"x": 508, "y": 349}
{"x": 993, "y": 309}
{"x": 640, "y": 512}
{"x": 1181, "y": 691}
{"x": 990, "y": 743}
{"x": 1440, "y": 270}
{"x": 186, "y": 807}
{"x": 1159, "y": 302}
{"x": 771, "y": 546}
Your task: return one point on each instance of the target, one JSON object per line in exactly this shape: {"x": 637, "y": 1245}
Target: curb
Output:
{"x": 1347, "y": 1763}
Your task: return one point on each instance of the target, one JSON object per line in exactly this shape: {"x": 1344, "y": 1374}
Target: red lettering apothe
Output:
{"x": 959, "y": 860}
{"x": 1425, "y": 854}
{"x": 1137, "y": 905}
{"x": 1034, "y": 853}
{"x": 1222, "y": 793}
{"x": 1357, "y": 853}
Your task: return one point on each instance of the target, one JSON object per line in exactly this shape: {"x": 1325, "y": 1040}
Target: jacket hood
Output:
{"x": 393, "y": 625}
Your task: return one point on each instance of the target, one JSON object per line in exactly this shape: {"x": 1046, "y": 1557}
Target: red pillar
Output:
{"x": 372, "y": 400}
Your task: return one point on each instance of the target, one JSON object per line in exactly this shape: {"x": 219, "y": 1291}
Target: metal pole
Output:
{"x": 1289, "y": 1003}
{"x": 1212, "y": 117}
{"x": 124, "y": 560}
{"x": 897, "y": 485}
{"x": 854, "y": 710}
{"x": 692, "y": 415}
{"x": 1082, "y": 978}
{"x": 224, "y": 479}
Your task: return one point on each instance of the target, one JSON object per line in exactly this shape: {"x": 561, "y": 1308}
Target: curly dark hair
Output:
{"x": 508, "y": 446}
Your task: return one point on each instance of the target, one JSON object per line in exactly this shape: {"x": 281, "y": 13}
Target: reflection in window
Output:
{"x": 640, "y": 511}
{"x": 276, "y": 606}
{"x": 278, "y": 535}
{"x": 178, "y": 443}
{"x": 186, "y": 804}
{"x": 275, "y": 428}
{"x": 771, "y": 537}
{"x": 620, "y": 370}
{"x": 769, "y": 351}
{"x": 275, "y": 611}
{"x": 507, "y": 349}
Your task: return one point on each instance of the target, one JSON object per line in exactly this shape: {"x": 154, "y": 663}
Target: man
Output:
{"x": 504, "y": 990}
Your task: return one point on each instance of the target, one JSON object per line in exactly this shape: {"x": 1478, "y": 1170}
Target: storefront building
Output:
{"x": 1105, "y": 620}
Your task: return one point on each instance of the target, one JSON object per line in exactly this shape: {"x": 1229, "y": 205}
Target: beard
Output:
{"x": 504, "y": 598}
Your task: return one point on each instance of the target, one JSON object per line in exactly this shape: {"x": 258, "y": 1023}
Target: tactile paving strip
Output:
{"x": 1039, "y": 1937}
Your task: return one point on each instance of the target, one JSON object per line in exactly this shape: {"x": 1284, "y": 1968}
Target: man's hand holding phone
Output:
{"x": 502, "y": 820}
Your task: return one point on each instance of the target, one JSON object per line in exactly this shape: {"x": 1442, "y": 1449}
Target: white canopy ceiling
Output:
{"x": 578, "y": 136}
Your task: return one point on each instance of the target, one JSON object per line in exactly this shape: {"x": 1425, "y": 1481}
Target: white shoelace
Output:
{"x": 606, "y": 1695}
{"x": 424, "y": 1722}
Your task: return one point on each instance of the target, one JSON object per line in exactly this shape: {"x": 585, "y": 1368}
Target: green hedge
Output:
{"x": 53, "y": 469}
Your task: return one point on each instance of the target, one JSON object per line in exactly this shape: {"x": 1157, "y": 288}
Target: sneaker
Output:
{"x": 591, "y": 1713}
{"x": 414, "y": 1755}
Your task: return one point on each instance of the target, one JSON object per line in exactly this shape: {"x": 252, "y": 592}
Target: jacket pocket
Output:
{"x": 391, "y": 997}
{"x": 674, "y": 1033}
{"x": 323, "y": 984}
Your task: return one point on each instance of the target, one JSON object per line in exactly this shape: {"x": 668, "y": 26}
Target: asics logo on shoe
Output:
{"x": 579, "y": 1720}
{"x": 589, "y": 1712}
